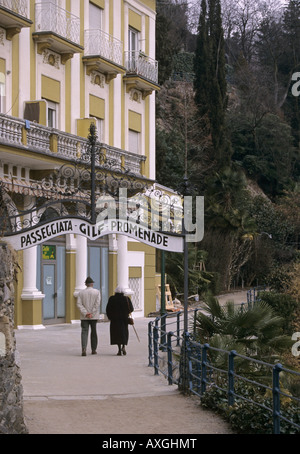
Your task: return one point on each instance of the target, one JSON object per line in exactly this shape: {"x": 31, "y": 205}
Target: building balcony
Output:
{"x": 57, "y": 29}
{"x": 14, "y": 16}
{"x": 141, "y": 72}
{"x": 103, "y": 53}
{"x": 32, "y": 142}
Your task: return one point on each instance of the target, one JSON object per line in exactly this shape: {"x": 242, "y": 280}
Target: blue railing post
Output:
{"x": 249, "y": 299}
{"x": 178, "y": 327}
{"x": 170, "y": 362}
{"x": 156, "y": 325}
{"x": 195, "y": 319}
{"x": 163, "y": 328}
{"x": 276, "y": 398}
{"x": 232, "y": 354}
{"x": 188, "y": 359}
{"x": 183, "y": 365}
{"x": 150, "y": 352}
{"x": 204, "y": 368}
{"x": 155, "y": 349}
{"x": 198, "y": 367}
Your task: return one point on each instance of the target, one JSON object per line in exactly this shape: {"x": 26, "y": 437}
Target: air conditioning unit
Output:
{"x": 36, "y": 111}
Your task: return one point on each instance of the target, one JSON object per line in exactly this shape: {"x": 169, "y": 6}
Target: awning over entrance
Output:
{"x": 36, "y": 189}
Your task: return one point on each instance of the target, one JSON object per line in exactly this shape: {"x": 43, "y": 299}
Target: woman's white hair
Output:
{"x": 119, "y": 289}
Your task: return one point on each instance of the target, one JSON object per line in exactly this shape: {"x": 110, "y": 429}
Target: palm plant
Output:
{"x": 255, "y": 332}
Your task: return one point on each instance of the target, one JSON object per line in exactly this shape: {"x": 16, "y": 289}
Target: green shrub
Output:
{"x": 283, "y": 304}
{"x": 183, "y": 63}
{"x": 250, "y": 418}
{"x": 279, "y": 279}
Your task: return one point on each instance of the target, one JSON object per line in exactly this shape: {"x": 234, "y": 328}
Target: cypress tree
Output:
{"x": 210, "y": 79}
{"x": 217, "y": 50}
{"x": 200, "y": 63}
{"x": 291, "y": 63}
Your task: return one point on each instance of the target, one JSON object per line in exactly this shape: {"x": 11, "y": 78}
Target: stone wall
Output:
{"x": 11, "y": 390}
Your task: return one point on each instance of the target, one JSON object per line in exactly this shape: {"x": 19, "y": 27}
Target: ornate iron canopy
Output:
{"x": 73, "y": 189}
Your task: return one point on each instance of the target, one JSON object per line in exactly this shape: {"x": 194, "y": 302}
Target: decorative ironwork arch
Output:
{"x": 73, "y": 189}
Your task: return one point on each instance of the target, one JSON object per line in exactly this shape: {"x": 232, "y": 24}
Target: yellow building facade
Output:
{"x": 65, "y": 64}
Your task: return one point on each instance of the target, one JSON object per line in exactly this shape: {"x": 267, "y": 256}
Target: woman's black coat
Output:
{"x": 118, "y": 308}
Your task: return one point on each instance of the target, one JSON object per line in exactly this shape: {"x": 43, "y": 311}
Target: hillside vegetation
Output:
{"x": 227, "y": 116}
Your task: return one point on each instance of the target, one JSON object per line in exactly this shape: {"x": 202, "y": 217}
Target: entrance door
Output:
{"x": 53, "y": 283}
{"x": 49, "y": 272}
{"x": 98, "y": 270}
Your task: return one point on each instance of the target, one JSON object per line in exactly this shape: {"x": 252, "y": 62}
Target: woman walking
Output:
{"x": 118, "y": 309}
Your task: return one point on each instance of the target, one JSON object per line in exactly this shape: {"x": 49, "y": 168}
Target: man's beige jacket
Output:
{"x": 88, "y": 301}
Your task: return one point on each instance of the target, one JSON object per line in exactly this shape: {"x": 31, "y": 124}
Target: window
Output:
{"x": 134, "y": 141}
{"x": 99, "y": 128}
{"x": 52, "y": 114}
{"x": 51, "y": 93}
{"x": 97, "y": 112}
{"x": 95, "y": 17}
{"x": 133, "y": 39}
{"x": 2, "y": 92}
{"x": 2, "y": 96}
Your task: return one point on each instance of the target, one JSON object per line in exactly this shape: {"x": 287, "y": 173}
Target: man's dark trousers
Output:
{"x": 85, "y": 324}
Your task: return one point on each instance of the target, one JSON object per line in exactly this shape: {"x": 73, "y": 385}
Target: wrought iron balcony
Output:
{"x": 56, "y": 29}
{"x": 14, "y": 16}
{"x": 39, "y": 139}
{"x": 15, "y": 6}
{"x": 141, "y": 72}
{"x": 104, "y": 53}
{"x": 97, "y": 42}
{"x": 138, "y": 63}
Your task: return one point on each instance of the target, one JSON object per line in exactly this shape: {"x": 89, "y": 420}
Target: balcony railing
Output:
{"x": 99, "y": 43}
{"x": 51, "y": 18}
{"x": 58, "y": 144}
{"x": 140, "y": 64}
{"x": 16, "y": 6}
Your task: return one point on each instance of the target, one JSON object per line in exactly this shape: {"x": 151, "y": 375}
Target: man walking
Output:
{"x": 88, "y": 302}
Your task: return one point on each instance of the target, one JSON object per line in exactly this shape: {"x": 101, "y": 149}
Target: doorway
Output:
{"x": 53, "y": 283}
{"x": 97, "y": 268}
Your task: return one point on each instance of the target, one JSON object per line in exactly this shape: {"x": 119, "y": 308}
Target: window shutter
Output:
{"x": 51, "y": 89}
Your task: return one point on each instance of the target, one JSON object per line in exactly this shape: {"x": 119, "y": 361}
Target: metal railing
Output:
{"x": 168, "y": 343}
{"x": 16, "y": 6}
{"x": 51, "y": 18}
{"x": 97, "y": 42}
{"x": 163, "y": 343}
{"x": 39, "y": 138}
{"x": 137, "y": 62}
{"x": 203, "y": 374}
{"x": 253, "y": 294}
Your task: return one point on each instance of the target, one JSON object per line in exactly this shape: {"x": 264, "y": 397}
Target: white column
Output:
{"x": 123, "y": 272}
{"x": 81, "y": 263}
{"x": 30, "y": 290}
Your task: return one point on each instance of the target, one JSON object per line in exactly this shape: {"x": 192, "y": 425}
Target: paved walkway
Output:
{"x": 65, "y": 393}
{"x": 238, "y": 297}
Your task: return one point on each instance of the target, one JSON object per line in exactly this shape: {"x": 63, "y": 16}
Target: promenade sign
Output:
{"x": 48, "y": 231}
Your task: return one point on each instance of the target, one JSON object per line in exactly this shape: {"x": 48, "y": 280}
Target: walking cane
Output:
{"x": 132, "y": 324}
{"x": 136, "y": 333}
